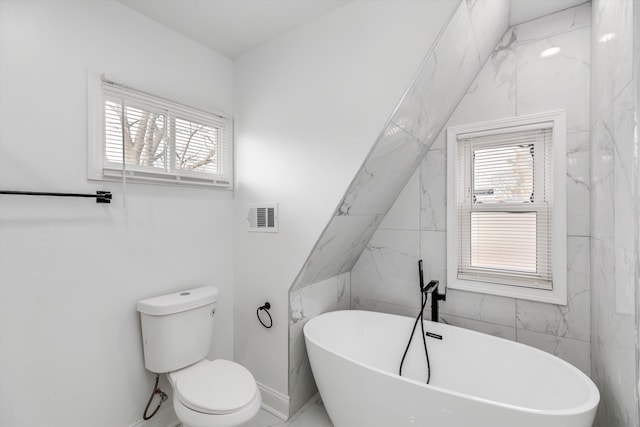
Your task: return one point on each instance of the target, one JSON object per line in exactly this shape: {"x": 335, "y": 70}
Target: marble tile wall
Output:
{"x": 636, "y": 180}
{"x": 614, "y": 214}
{"x": 513, "y": 81}
{"x": 328, "y": 295}
{"x": 449, "y": 67}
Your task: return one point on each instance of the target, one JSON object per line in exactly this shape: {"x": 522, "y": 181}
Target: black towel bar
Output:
{"x": 100, "y": 196}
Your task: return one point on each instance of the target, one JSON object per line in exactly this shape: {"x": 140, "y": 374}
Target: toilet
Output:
{"x": 177, "y": 331}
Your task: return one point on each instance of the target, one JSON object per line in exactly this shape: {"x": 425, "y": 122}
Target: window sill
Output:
{"x": 160, "y": 179}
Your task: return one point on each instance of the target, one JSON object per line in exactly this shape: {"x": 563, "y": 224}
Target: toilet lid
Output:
{"x": 215, "y": 387}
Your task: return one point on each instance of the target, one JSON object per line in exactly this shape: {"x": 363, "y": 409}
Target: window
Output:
{"x": 160, "y": 140}
{"x": 506, "y": 227}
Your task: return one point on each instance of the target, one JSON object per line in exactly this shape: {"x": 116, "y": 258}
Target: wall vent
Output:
{"x": 263, "y": 217}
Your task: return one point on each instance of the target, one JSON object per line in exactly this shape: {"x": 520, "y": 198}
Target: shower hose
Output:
{"x": 420, "y": 319}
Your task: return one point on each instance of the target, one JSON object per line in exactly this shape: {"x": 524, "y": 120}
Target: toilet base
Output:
{"x": 191, "y": 418}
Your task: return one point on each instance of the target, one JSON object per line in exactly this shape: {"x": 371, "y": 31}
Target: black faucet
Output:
{"x": 432, "y": 288}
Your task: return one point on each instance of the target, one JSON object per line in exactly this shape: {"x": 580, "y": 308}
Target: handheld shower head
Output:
{"x": 431, "y": 286}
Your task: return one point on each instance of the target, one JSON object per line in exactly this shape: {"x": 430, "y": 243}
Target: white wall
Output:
{"x": 309, "y": 107}
{"x": 71, "y": 271}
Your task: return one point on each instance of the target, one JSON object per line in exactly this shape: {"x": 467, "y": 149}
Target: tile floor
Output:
{"x": 312, "y": 414}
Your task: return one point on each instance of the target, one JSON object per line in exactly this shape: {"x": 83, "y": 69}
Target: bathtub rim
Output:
{"x": 591, "y": 402}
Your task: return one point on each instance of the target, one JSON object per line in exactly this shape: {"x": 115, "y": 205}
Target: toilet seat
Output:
{"x": 216, "y": 387}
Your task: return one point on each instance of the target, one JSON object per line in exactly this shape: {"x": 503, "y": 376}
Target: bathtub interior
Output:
{"x": 464, "y": 362}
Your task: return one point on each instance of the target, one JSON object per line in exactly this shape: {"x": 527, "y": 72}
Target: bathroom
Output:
{"x": 70, "y": 340}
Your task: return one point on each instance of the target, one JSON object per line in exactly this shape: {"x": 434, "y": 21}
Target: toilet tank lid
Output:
{"x": 178, "y": 301}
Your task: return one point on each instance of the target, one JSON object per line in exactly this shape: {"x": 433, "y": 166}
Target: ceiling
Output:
{"x": 526, "y": 10}
{"x": 234, "y": 27}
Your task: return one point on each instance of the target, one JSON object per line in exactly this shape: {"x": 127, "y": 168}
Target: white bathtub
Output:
{"x": 477, "y": 380}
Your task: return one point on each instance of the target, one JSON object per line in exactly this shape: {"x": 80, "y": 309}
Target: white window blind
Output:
{"x": 504, "y": 200}
{"x": 163, "y": 141}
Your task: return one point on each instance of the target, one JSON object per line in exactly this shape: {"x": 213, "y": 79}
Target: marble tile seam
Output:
{"x": 516, "y": 328}
{"x": 391, "y": 303}
{"x": 475, "y": 39}
{"x": 547, "y": 36}
{"x": 553, "y": 335}
{"x": 578, "y": 235}
{"x": 443, "y": 311}
{"x": 399, "y": 229}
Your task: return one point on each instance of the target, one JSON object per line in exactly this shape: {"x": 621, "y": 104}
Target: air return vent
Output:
{"x": 263, "y": 217}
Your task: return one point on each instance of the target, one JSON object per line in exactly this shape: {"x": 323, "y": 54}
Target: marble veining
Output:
{"x": 514, "y": 80}
{"x": 576, "y": 352}
{"x": 613, "y": 44}
{"x": 433, "y": 187}
{"x": 387, "y": 269}
{"x": 623, "y": 157}
{"x": 404, "y": 214}
{"x": 602, "y": 177}
{"x": 328, "y": 295}
{"x": 506, "y": 332}
{"x": 442, "y": 81}
{"x": 344, "y": 291}
{"x": 567, "y": 20}
{"x": 556, "y": 82}
{"x": 571, "y": 320}
{"x": 485, "y": 308}
{"x": 485, "y": 15}
{"x": 578, "y": 184}
{"x": 578, "y": 191}
{"x": 492, "y": 95}
{"x": 614, "y": 207}
{"x": 338, "y": 249}
{"x": 433, "y": 250}
{"x": 395, "y": 146}
{"x": 610, "y": 370}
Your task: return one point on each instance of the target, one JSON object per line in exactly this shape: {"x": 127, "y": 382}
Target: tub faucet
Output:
{"x": 436, "y": 297}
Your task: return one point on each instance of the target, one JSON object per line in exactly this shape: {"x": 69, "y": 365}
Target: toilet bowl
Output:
{"x": 214, "y": 393}
{"x": 177, "y": 335}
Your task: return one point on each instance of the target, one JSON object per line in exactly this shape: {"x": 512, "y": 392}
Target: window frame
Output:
{"x": 558, "y": 293}
{"x": 101, "y": 169}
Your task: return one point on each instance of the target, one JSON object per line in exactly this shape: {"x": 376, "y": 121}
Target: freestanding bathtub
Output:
{"x": 477, "y": 380}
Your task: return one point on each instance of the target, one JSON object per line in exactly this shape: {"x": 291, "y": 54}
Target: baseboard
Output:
{"x": 274, "y": 402}
{"x": 165, "y": 417}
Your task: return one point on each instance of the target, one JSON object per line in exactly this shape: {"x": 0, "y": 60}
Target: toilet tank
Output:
{"x": 177, "y": 328}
